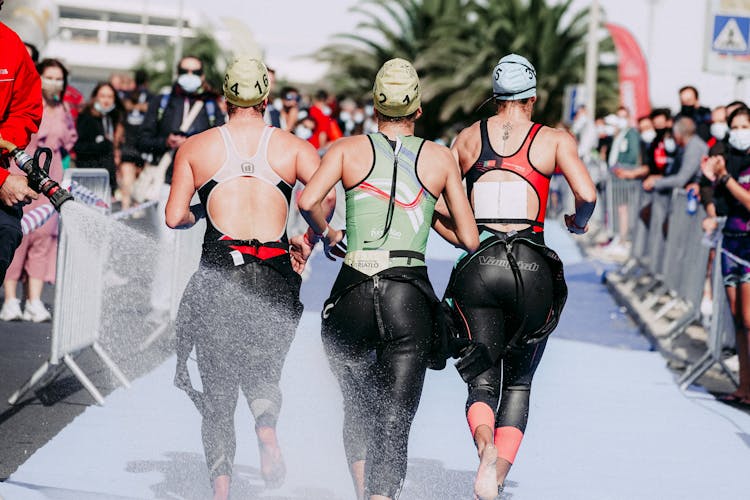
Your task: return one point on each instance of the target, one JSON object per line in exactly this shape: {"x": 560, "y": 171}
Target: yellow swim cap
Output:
{"x": 396, "y": 91}
{"x": 246, "y": 82}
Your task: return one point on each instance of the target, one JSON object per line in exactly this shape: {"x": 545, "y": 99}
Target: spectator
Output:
{"x": 687, "y": 163}
{"x": 624, "y": 155}
{"x": 719, "y": 127}
{"x": 730, "y": 175}
{"x": 320, "y": 113}
{"x": 647, "y": 134}
{"x": 663, "y": 149}
{"x": 188, "y": 109}
{"x": 272, "y": 115}
{"x": 290, "y": 108}
{"x": 136, "y": 104}
{"x": 584, "y": 131}
{"x": 36, "y": 256}
{"x": 100, "y": 132}
{"x": 691, "y": 108}
{"x": 20, "y": 115}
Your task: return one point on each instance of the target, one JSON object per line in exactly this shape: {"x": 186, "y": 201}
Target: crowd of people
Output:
{"x": 487, "y": 194}
{"x": 703, "y": 151}
{"x": 132, "y": 132}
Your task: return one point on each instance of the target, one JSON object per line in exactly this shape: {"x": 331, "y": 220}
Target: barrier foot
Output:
{"x": 111, "y": 364}
{"x": 695, "y": 371}
{"x": 666, "y": 308}
{"x": 729, "y": 373}
{"x": 83, "y": 379}
{"x": 36, "y": 377}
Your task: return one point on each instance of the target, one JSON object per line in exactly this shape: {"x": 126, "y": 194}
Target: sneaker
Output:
{"x": 36, "y": 312}
{"x": 11, "y": 310}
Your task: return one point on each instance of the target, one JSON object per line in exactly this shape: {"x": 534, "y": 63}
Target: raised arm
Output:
{"x": 579, "y": 180}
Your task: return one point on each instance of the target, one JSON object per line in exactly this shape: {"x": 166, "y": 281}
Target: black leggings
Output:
{"x": 243, "y": 321}
{"x": 377, "y": 343}
{"x": 484, "y": 294}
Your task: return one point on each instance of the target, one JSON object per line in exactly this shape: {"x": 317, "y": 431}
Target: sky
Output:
{"x": 290, "y": 30}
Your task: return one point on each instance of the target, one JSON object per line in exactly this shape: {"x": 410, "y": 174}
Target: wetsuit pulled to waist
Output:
{"x": 372, "y": 262}
{"x": 229, "y": 253}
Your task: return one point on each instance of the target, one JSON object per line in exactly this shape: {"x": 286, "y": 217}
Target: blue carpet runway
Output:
{"x": 607, "y": 421}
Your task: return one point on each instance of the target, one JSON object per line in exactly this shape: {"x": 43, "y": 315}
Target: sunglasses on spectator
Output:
{"x": 184, "y": 71}
{"x": 291, "y": 97}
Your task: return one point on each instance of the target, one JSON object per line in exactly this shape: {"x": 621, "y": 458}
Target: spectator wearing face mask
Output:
{"x": 100, "y": 132}
{"x": 289, "y": 115}
{"x": 687, "y": 163}
{"x": 690, "y": 107}
{"x": 35, "y": 258}
{"x": 188, "y": 109}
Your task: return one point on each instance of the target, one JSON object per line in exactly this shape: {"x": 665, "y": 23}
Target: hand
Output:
{"x": 174, "y": 141}
{"x": 648, "y": 182}
{"x": 620, "y": 173}
{"x": 332, "y": 244}
{"x": 300, "y": 249}
{"x": 15, "y": 190}
{"x": 713, "y": 167}
{"x": 570, "y": 222}
{"x": 710, "y": 225}
{"x": 695, "y": 187}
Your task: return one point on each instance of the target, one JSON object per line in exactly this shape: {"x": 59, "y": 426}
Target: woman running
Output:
{"x": 378, "y": 322}
{"x": 509, "y": 294}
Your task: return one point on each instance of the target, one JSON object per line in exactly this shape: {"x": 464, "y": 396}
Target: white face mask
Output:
{"x": 303, "y": 132}
{"x": 670, "y": 145}
{"x": 51, "y": 85}
{"x": 740, "y": 138}
{"x": 622, "y": 123}
{"x": 648, "y": 136}
{"x": 189, "y": 82}
{"x": 103, "y": 110}
{"x": 719, "y": 130}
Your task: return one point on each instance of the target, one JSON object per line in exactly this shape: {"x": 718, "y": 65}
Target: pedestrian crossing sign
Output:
{"x": 731, "y": 35}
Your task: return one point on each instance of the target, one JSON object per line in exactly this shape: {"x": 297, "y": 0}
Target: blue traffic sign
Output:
{"x": 731, "y": 35}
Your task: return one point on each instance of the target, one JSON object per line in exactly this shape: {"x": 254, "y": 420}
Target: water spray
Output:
{"x": 37, "y": 174}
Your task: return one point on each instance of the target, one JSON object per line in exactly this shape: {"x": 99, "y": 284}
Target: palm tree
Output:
{"x": 455, "y": 44}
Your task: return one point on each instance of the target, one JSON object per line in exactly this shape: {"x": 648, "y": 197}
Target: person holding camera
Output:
{"x": 508, "y": 295}
{"x": 378, "y": 321}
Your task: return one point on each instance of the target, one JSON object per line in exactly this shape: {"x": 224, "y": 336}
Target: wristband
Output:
{"x": 722, "y": 181}
{"x": 324, "y": 233}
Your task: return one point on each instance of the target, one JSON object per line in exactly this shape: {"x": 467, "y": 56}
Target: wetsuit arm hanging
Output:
{"x": 178, "y": 212}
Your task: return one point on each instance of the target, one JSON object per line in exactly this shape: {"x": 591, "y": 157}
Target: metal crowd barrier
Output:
{"x": 662, "y": 281}
{"x": 621, "y": 192}
{"x": 78, "y": 309}
{"x": 721, "y": 323}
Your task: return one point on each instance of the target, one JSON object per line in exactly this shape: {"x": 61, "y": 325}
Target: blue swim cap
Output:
{"x": 513, "y": 79}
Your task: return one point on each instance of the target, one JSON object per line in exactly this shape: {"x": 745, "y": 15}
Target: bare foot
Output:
{"x": 221, "y": 488}
{"x": 272, "y": 468}
{"x": 485, "y": 485}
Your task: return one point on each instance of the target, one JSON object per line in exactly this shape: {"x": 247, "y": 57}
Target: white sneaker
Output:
{"x": 36, "y": 312}
{"x": 11, "y": 310}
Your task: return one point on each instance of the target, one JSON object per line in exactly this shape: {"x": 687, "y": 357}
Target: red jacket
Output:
{"x": 20, "y": 94}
